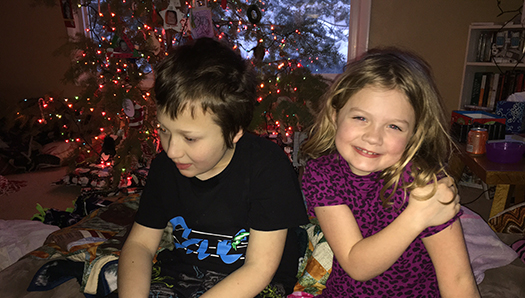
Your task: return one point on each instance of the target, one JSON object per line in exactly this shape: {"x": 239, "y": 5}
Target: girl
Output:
{"x": 379, "y": 147}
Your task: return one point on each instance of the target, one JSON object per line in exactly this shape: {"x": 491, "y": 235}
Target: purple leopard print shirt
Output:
{"x": 329, "y": 181}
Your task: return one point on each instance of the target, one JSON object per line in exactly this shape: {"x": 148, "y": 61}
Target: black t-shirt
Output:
{"x": 258, "y": 190}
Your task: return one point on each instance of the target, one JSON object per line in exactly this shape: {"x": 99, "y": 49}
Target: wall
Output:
{"x": 437, "y": 30}
{"x": 29, "y": 36}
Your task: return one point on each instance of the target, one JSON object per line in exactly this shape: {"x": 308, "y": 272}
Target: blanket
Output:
{"x": 87, "y": 250}
{"x": 484, "y": 247}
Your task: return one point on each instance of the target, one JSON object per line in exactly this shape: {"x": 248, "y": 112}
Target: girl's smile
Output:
{"x": 366, "y": 152}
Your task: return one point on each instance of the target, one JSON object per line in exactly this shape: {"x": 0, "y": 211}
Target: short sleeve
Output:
{"x": 436, "y": 229}
{"x": 320, "y": 187}
{"x": 152, "y": 208}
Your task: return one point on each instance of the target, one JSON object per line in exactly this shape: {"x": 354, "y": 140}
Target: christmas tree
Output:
{"x": 112, "y": 119}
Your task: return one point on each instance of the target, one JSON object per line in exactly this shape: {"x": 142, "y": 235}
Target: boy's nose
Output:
{"x": 174, "y": 150}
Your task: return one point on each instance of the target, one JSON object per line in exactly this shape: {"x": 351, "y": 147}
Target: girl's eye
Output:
{"x": 190, "y": 139}
{"x": 359, "y": 118}
{"x": 395, "y": 127}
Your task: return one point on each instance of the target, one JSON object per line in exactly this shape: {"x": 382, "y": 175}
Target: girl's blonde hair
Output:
{"x": 391, "y": 68}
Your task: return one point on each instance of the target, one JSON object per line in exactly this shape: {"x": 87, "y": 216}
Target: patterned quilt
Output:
{"x": 89, "y": 250}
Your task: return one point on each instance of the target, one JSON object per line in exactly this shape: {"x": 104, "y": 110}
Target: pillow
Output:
{"x": 485, "y": 249}
{"x": 72, "y": 239}
{"x": 510, "y": 220}
{"x": 59, "y": 149}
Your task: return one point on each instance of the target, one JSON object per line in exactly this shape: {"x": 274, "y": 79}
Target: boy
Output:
{"x": 230, "y": 196}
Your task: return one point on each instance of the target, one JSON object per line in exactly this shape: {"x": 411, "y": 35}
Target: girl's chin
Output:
{"x": 360, "y": 173}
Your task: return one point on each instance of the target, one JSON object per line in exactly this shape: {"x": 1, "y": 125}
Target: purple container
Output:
{"x": 505, "y": 152}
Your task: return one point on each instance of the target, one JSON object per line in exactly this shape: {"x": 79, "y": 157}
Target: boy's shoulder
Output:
{"x": 260, "y": 152}
{"x": 161, "y": 157}
{"x": 257, "y": 143}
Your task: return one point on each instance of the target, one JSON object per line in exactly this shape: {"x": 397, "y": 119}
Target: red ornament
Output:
{"x": 223, "y": 4}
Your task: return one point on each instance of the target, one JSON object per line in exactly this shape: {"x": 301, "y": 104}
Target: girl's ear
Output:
{"x": 238, "y": 136}
{"x": 334, "y": 118}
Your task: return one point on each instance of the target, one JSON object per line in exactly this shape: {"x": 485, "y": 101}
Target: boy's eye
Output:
{"x": 160, "y": 128}
{"x": 190, "y": 139}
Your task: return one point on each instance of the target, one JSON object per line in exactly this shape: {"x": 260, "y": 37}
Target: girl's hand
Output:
{"x": 438, "y": 209}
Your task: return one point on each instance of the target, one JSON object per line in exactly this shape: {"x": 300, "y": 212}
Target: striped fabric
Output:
{"x": 519, "y": 247}
{"x": 511, "y": 220}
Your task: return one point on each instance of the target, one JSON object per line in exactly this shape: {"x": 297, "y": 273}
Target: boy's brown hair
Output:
{"x": 209, "y": 74}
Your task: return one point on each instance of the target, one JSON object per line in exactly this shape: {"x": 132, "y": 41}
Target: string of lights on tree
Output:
{"x": 114, "y": 60}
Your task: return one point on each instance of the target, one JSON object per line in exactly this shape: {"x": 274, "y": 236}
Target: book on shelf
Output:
{"x": 519, "y": 82}
{"x": 490, "y": 87}
{"x": 482, "y": 89}
{"x": 501, "y": 86}
{"x": 484, "y": 50}
{"x": 476, "y": 88}
{"x": 493, "y": 91}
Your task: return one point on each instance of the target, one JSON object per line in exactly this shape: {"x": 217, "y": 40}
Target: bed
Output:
{"x": 81, "y": 260}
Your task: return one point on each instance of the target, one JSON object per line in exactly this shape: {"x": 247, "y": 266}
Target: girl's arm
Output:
{"x": 263, "y": 257}
{"x": 366, "y": 258}
{"x": 136, "y": 260}
{"x": 449, "y": 255}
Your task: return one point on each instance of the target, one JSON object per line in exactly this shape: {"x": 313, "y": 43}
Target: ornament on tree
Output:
{"x": 152, "y": 43}
{"x": 173, "y": 16}
{"x": 200, "y": 20}
{"x": 254, "y": 14}
{"x": 135, "y": 113}
{"x": 108, "y": 148}
{"x": 128, "y": 107}
{"x": 122, "y": 47}
{"x": 42, "y": 104}
{"x": 258, "y": 52}
{"x": 67, "y": 13}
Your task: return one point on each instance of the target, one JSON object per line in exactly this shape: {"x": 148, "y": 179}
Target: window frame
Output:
{"x": 359, "y": 28}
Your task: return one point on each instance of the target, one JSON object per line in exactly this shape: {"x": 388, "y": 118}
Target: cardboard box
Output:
{"x": 471, "y": 117}
{"x": 514, "y": 113}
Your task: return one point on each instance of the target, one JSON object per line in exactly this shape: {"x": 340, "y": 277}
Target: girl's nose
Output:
{"x": 373, "y": 135}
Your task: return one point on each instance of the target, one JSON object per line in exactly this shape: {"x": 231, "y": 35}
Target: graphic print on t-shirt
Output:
{"x": 204, "y": 244}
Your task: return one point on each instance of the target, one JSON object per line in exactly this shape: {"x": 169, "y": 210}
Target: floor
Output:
{"x": 39, "y": 190}
{"x": 476, "y": 200}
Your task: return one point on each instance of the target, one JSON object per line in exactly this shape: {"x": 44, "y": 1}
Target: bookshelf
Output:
{"x": 495, "y": 53}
